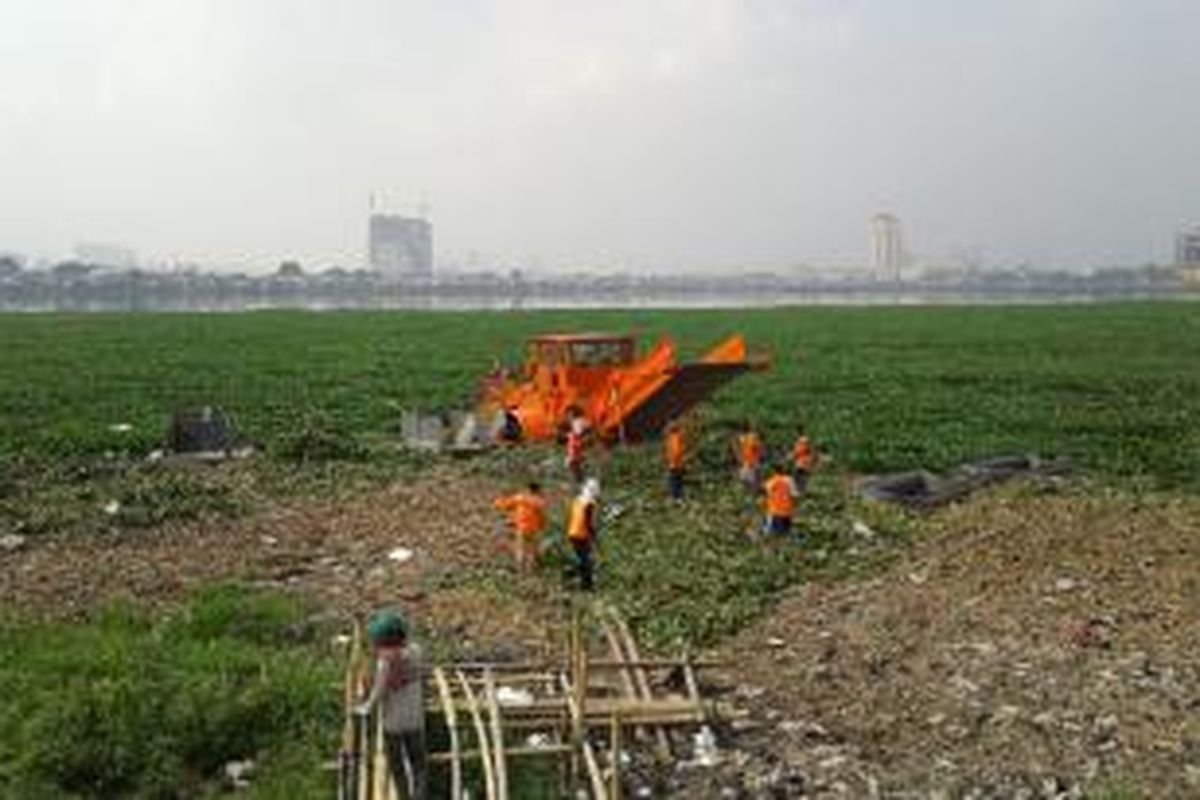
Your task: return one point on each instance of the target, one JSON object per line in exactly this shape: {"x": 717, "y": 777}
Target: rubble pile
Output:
{"x": 1038, "y": 647}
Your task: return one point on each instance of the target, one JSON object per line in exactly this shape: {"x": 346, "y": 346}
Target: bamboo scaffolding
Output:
{"x": 562, "y": 701}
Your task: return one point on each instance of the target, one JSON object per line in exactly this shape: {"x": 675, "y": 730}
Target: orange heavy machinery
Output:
{"x": 623, "y": 397}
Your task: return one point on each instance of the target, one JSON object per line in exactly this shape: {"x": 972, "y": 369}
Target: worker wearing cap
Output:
{"x": 749, "y": 450}
{"x": 673, "y": 450}
{"x": 781, "y": 493}
{"x": 527, "y": 515}
{"x": 803, "y": 459}
{"x": 397, "y": 689}
{"x": 581, "y": 531}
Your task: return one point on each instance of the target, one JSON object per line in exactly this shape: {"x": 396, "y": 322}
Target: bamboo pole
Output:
{"x": 447, "y": 698}
{"x": 382, "y": 775}
{"x": 489, "y": 777}
{"x": 615, "y": 791}
{"x": 497, "y": 737}
{"x": 509, "y": 752}
{"x": 584, "y": 747}
{"x": 642, "y": 680}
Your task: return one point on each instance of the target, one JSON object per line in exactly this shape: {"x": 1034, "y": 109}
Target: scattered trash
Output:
{"x": 862, "y": 529}
{"x": 155, "y": 456}
{"x": 112, "y": 507}
{"x": 775, "y": 641}
{"x": 536, "y": 739}
{"x": 11, "y": 541}
{"x": 509, "y": 696}
{"x": 269, "y": 540}
{"x": 705, "y": 753}
{"x": 239, "y": 773}
{"x": 400, "y": 555}
{"x": 120, "y": 427}
{"x": 341, "y": 640}
{"x": 1065, "y": 584}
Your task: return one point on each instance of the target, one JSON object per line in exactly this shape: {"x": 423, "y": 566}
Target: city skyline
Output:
{"x": 704, "y": 136}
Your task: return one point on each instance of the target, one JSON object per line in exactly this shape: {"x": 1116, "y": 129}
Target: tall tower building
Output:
{"x": 887, "y": 247}
{"x": 400, "y": 247}
{"x": 1187, "y": 247}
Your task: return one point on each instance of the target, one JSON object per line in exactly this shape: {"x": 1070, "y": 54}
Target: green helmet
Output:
{"x": 387, "y": 624}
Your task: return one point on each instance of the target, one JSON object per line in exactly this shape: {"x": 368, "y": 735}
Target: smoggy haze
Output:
{"x": 693, "y": 133}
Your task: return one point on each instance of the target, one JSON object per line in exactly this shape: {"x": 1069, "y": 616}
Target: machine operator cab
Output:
{"x": 580, "y": 351}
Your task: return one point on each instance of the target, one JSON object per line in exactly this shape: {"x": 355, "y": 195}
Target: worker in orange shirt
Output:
{"x": 574, "y": 460}
{"x": 527, "y": 515}
{"x": 581, "y": 531}
{"x": 781, "y": 493}
{"x": 749, "y": 450}
{"x": 803, "y": 460}
{"x": 673, "y": 447}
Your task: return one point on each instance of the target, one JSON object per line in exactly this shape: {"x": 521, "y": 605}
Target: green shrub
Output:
{"x": 128, "y": 706}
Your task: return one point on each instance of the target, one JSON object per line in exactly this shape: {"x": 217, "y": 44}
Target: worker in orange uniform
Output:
{"x": 803, "y": 459}
{"x": 749, "y": 450}
{"x": 575, "y": 442}
{"x": 673, "y": 446}
{"x": 581, "y": 531}
{"x": 527, "y": 515}
{"x": 781, "y": 493}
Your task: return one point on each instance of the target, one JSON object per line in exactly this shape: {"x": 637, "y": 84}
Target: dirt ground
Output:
{"x": 1035, "y": 646}
{"x": 1027, "y": 647}
{"x": 337, "y": 552}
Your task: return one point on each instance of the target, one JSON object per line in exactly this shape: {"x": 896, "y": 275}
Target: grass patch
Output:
{"x": 126, "y": 705}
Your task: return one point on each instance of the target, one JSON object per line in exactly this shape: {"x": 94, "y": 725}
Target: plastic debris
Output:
{"x": 508, "y": 696}
{"x": 401, "y": 555}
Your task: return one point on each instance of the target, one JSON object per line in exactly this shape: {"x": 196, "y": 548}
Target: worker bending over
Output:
{"x": 673, "y": 446}
{"x": 581, "y": 531}
{"x": 781, "y": 493}
{"x": 749, "y": 449}
{"x": 398, "y": 688}
{"x": 527, "y": 515}
{"x": 803, "y": 459}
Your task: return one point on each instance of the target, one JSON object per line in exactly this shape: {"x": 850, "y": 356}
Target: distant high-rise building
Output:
{"x": 887, "y": 247}
{"x": 400, "y": 247}
{"x": 1187, "y": 247}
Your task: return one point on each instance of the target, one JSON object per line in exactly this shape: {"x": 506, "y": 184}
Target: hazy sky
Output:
{"x": 672, "y": 133}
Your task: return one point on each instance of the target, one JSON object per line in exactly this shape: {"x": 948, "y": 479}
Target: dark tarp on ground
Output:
{"x": 202, "y": 430}
{"x": 922, "y": 489}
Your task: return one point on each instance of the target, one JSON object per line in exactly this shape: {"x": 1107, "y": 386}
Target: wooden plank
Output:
{"x": 489, "y": 775}
{"x": 497, "y": 737}
{"x": 451, "y": 717}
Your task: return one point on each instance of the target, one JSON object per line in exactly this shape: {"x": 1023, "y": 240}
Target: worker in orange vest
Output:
{"x": 527, "y": 515}
{"x": 575, "y": 441}
{"x": 749, "y": 450}
{"x": 803, "y": 459}
{"x": 781, "y": 493}
{"x": 581, "y": 531}
{"x": 673, "y": 446}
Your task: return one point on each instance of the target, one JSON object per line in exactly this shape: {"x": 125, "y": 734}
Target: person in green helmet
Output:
{"x": 398, "y": 690}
